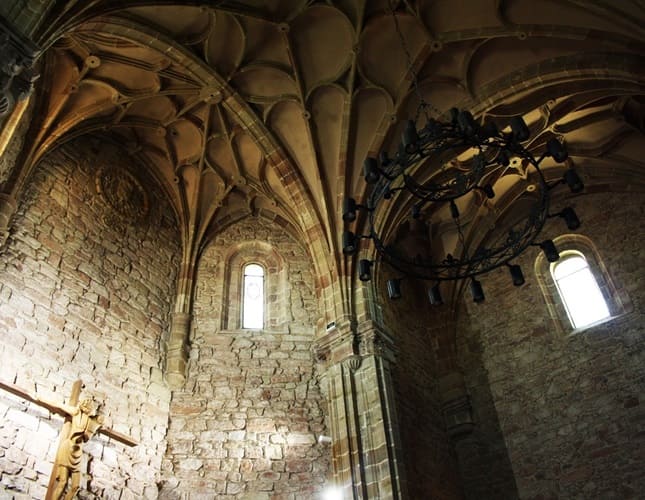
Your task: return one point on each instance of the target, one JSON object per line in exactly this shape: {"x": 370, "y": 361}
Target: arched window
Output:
{"x": 253, "y": 297}
{"x": 579, "y": 290}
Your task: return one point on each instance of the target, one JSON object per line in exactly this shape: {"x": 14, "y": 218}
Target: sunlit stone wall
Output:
{"x": 87, "y": 279}
{"x": 246, "y": 423}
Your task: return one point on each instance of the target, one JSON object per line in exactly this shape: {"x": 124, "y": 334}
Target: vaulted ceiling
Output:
{"x": 271, "y": 107}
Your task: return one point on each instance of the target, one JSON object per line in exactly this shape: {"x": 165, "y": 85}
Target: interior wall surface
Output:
{"x": 246, "y": 423}
{"x": 430, "y": 463}
{"x": 569, "y": 404}
{"x": 87, "y": 278}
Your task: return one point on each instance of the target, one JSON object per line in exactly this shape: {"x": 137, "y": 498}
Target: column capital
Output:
{"x": 375, "y": 340}
{"x": 337, "y": 343}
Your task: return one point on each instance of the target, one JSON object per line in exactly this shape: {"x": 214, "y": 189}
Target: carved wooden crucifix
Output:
{"x": 81, "y": 423}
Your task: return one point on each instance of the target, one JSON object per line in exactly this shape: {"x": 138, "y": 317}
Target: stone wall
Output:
{"x": 245, "y": 424}
{"x": 429, "y": 459}
{"x": 86, "y": 283}
{"x": 570, "y": 405}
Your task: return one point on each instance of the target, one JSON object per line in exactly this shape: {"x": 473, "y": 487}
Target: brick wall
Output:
{"x": 570, "y": 406}
{"x": 245, "y": 424}
{"x": 85, "y": 293}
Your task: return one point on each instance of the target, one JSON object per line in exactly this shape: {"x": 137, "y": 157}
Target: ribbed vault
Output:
{"x": 239, "y": 108}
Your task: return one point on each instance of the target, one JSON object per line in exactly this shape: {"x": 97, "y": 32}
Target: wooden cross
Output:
{"x": 81, "y": 423}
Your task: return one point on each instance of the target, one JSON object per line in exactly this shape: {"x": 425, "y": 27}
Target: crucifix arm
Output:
{"x": 63, "y": 410}
{"x": 121, "y": 438}
{"x": 60, "y": 409}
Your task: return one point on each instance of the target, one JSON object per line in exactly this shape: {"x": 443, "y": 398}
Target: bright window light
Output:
{"x": 253, "y": 297}
{"x": 332, "y": 493}
{"x": 579, "y": 291}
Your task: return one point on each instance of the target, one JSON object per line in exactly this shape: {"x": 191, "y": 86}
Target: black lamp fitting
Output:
{"x": 570, "y": 218}
{"x": 434, "y": 294}
{"x": 349, "y": 243}
{"x": 516, "y": 274}
{"x": 477, "y": 291}
{"x": 550, "y": 251}
{"x": 364, "y": 270}
{"x": 349, "y": 209}
{"x": 573, "y": 180}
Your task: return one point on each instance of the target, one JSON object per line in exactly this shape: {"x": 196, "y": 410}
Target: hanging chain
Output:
{"x": 423, "y": 104}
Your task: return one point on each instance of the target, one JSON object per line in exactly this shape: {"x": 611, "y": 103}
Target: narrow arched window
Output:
{"x": 253, "y": 297}
{"x": 579, "y": 290}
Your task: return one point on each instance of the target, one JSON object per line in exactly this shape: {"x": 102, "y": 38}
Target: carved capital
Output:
{"x": 336, "y": 344}
{"x": 17, "y": 74}
{"x": 374, "y": 340}
{"x": 353, "y": 363}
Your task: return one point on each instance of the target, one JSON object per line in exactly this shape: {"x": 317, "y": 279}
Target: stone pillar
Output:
{"x": 365, "y": 439}
{"x": 8, "y": 208}
{"x": 177, "y": 349}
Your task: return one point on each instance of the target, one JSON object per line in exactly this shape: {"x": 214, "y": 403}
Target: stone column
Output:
{"x": 177, "y": 349}
{"x": 365, "y": 439}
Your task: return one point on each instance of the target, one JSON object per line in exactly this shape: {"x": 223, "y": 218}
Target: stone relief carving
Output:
{"x": 123, "y": 193}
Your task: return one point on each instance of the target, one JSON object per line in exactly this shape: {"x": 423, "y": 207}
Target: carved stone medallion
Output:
{"x": 122, "y": 192}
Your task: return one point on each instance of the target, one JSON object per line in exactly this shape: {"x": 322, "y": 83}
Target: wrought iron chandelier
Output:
{"x": 418, "y": 176}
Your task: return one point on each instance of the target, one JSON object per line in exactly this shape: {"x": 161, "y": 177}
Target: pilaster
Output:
{"x": 177, "y": 349}
{"x": 366, "y": 443}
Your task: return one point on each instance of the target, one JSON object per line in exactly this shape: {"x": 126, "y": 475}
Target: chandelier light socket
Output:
{"x": 394, "y": 289}
{"x": 349, "y": 243}
{"x": 573, "y": 180}
{"x": 520, "y": 130}
{"x": 370, "y": 170}
{"x": 477, "y": 291}
{"x": 434, "y": 294}
{"x": 550, "y": 251}
{"x": 384, "y": 159}
{"x": 570, "y": 218}
{"x": 516, "y": 274}
{"x": 488, "y": 130}
{"x": 349, "y": 209}
{"x": 557, "y": 150}
{"x": 454, "y": 211}
{"x": 488, "y": 191}
{"x": 410, "y": 136}
{"x": 466, "y": 122}
{"x": 364, "y": 270}
{"x": 503, "y": 158}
